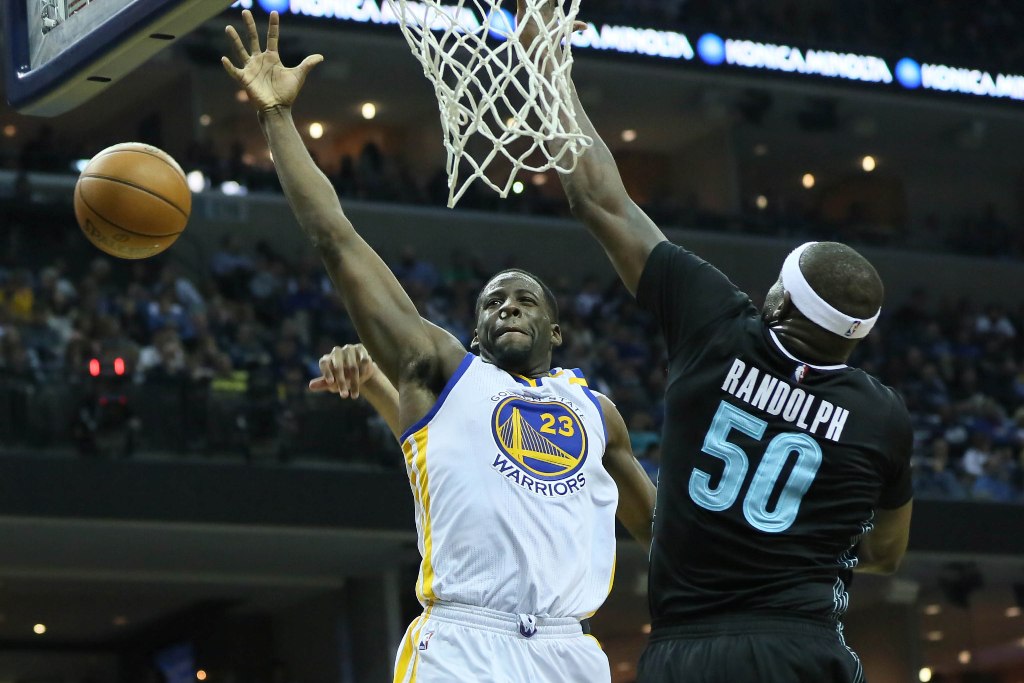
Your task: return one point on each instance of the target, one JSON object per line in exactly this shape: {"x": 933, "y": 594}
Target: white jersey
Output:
{"x": 514, "y": 509}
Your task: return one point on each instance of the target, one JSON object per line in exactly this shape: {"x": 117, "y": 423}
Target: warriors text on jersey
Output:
{"x": 771, "y": 467}
{"x": 514, "y": 508}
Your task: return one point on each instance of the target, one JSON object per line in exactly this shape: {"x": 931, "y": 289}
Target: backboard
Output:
{"x": 60, "y": 53}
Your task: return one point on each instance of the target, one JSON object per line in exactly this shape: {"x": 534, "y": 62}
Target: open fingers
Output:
{"x": 241, "y": 56}
{"x": 273, "y": 32}
{"x": 254, "y": 35}
{"x": 308, "y": 63}
{"x": 230, "y": 68}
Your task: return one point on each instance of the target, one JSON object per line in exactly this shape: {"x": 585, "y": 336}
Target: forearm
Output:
{"x": 874, "y": 560}
{"x": 385, "y": 318}
{"x": 638, "y": 526}
{"x": 596, "y": 182}
{"x": 881, "y": 550}
{"x": 598, "y": 198}
{"x": 309, "y": 192}
{"x": 383, "y": 396}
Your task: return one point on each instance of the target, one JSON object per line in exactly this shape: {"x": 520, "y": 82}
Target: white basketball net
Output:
{"x": 498, "y": 100}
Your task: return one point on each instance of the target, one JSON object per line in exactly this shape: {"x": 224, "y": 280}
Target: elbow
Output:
{"x": 592, "y": 210}
{"x": 883, "y": 565}
{"x": 891, "y": 565}
{"x": 582, "y": 204}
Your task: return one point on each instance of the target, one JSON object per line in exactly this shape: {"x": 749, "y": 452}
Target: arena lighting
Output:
{"x": 196, "y": 181}
{"x": 924, "y": 675}
{"x": 205, "y": 120}
{"x": 964, "y": 657}
{"x": 518, "y": 187}
{"x": 10, "y": 130}
{"x": 868, "y": 163}
{"x": 934, "y": 636}
{"x": 94, "y": 367}
{"x": 1012, "y": 612}
{"x": 368, "y": 110}
{"x": 80, "y": 164}
{"x": 200, "y": 675}
{"x": 316, "y": 130}
{"x": 629, "y": 135}
{"x": 119, "y": 366}
{"x": 762, "y": 202}
{"x": 808, "y": 180}
{"x": 39, "y": 629}
{"x": 232, "y": 188}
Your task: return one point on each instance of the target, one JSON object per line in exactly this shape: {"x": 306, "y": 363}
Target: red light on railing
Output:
{"x": 94, "y": 367}
{"x": 119, "y": 366}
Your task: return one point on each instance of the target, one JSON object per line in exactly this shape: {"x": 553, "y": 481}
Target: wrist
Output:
{"x": 274, "y": 111}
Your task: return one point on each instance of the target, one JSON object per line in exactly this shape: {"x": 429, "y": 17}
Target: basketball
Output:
{"x": 132, "y": 200}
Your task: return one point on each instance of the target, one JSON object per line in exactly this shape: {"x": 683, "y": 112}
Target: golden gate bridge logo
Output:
{"x": 544, "y": 438}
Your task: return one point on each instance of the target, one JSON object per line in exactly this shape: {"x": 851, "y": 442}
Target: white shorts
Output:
{"x": 452, "y": 643}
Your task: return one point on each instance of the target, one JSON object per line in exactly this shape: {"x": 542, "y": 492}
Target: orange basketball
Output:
{"x": 132, "y": 200}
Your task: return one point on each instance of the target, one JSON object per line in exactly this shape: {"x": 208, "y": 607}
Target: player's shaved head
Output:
{"x": 843, "y": 278}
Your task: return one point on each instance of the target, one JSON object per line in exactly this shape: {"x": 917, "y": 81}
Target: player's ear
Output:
{"x": 556, "y": 335}
{"x": 474, "y": 345}
{"x": 785, "y": 307}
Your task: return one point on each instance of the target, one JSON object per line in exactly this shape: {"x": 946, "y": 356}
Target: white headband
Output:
{"x": 816, "y": 309}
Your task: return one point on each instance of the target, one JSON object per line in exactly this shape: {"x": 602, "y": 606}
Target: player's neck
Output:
{"x": 811, "y": 344}
{"x": 530, "y": 369}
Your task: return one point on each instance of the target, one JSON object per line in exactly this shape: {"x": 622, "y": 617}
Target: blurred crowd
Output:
{"x": 217, "y": 362}
{"x": 373, "y": 175}
{"x": 969, "y": 34}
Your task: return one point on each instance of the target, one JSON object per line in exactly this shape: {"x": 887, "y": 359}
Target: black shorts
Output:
{"x": 749, "y": 649}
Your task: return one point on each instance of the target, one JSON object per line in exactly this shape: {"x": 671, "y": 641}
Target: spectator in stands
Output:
{"x": 934, "y": 476}
{"x": 995, "y": 482}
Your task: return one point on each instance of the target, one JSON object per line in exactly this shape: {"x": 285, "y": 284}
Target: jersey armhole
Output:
{"x": 449, "y": 385}
{"x": 592, "y": 395}
{"x": 580, "y": 380}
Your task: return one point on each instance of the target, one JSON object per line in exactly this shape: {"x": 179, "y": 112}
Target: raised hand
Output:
{"x": 344, "y": 370}
{"x": 268, "y": 82}
{"x": 537, "y": 22}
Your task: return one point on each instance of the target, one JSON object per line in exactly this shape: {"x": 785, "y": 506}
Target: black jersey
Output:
{"x": 771, "y": 467}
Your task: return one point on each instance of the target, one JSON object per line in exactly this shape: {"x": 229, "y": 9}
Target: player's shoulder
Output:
{"x": 878, "y": 393}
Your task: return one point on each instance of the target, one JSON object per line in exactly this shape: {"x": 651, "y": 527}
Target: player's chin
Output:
{"x": 511, "y": 350}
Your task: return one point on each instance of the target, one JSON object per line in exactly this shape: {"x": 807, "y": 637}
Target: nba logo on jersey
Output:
{"x": 800, "y": 372}
{"x": 542, "y": 443}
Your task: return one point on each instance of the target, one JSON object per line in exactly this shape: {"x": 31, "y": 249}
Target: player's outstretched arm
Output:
{"x": 349, "y": 371}
{"x": 384, "y": 316}
{"x": 636, "y": 492}
{"x": 881, "y": 551}
{"x": 598, "y": 197}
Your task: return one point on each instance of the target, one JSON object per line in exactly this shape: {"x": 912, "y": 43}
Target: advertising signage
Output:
{"x": 708, "y": 49}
